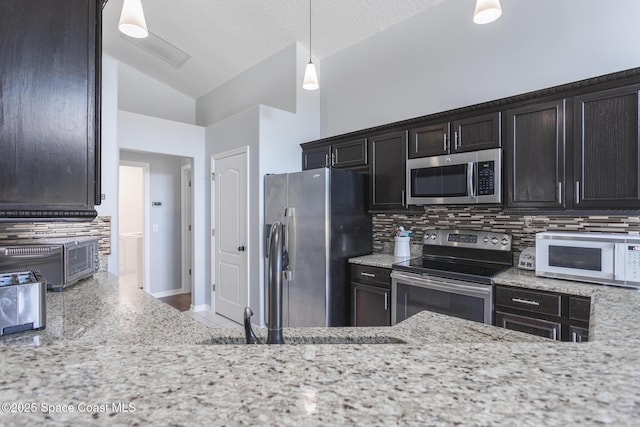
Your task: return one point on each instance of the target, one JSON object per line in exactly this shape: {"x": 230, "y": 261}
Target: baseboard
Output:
{"x": 199, "y": 308}
{"x": 167, "y": 293}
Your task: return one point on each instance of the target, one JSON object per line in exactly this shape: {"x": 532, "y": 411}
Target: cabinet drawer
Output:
{"x": 579, "y": 308}
{"x": 527, "y": 300}
{"x": 371, "y": 275}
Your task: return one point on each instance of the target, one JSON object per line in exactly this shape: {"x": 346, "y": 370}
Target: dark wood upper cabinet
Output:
{"x": 349, "y": 154}
{"x": 49, "y": 109}
{"x": 388, "y": 154}
{"x": 432, "y": 140}
{"x": 317, "y": 157}
{"x": 476, "y": 133}
{"x": 534, "y": 155}
{"x": 465, "y": 134}
{"x": 606, "y": 149}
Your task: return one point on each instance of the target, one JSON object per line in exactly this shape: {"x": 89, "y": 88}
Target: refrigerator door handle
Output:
{"x": 290, "y": 242}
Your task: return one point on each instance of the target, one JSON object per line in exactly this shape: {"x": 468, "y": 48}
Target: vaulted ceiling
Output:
{"x": 226, "y": 37}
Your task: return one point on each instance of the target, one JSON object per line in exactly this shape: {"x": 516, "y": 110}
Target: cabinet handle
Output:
{"x": 455, "y": 140}
{"x": 444, "y": 142}
{"x": 525, "y": 301}
{"x": 560, "y": 193}
{"x": 367, "y": 274}
{"x": 555, "y": 334}
{"x": 326, "y": 160}
{"x": 402, "y": 195}
{"x": 333, "y": 159}
{"x": 577, "y": 192}
{"x": 386, "y": 301}
{"x": 574, "y": 337}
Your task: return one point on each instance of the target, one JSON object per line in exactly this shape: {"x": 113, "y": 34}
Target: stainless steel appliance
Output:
{"x": 62, "y": 262}
{"x": 22, "y": 302}
{"x": 462, "y": 178}
{"x": 454, "y": 276}
{"x": 605, "y": 258}
{"x": 326, "y": 221}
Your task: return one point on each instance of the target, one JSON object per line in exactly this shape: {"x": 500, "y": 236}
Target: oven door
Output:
{"x": 413, "y": 293}
{"x": 79, "y": 261}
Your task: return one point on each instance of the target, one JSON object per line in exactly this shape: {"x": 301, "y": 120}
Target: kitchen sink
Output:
{"x": 311, "y": 340}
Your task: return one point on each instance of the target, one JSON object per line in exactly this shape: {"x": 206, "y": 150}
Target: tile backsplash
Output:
{"x": 522, "y": 227}
{"x": 32, "y": 232}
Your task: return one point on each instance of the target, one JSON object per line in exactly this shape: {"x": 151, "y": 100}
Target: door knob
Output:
{"x": 240, "y": 248}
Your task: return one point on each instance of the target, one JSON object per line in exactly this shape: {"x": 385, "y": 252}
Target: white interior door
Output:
{"x": 231, "y": 225}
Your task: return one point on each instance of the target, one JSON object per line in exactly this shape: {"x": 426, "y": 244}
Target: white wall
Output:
{"x": 440, "y": 59}
{"x": 146, "y": 134}
{"x": 271, "y": 82}
{"x": 110, "y": 153}
{"x": 164, "y": 244}
{"x": 139, "y": 93}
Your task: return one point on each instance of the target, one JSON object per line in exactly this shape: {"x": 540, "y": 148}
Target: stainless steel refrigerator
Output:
{"x": 325, "y": 213}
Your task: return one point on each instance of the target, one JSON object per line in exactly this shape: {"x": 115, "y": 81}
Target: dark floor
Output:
{"x": 180, "y": 302}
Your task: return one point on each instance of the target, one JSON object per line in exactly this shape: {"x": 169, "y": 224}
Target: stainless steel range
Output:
{"x": 454, "y": 276}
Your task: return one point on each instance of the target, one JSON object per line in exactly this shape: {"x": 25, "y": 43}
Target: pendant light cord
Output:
{"x": 309, "y": 30}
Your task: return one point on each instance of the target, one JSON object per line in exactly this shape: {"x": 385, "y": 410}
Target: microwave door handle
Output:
{"x": 470, "y": 184}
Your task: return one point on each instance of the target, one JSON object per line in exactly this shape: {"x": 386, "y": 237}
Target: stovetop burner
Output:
{"x": 474, "y": 256}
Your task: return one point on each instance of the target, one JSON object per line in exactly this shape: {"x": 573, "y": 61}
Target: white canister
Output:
{"x": 401, "y": 248}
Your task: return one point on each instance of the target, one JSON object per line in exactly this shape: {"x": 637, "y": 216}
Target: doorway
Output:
{"x": 132, "y": 220}
{"x": 231, "y": 205}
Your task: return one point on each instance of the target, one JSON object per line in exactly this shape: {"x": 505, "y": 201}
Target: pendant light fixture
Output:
{"x": 310, "y": 81}
{"x": 487, "y": 11}
{"x": 132, "y": 22}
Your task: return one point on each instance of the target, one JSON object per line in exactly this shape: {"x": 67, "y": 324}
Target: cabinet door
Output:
{"x": 388, "y": 155}
{"x": 534, "y": 155}
{"x": 349, "y": 154}
{"x": 541, "y": 328}
{"x": 476, "y": 133}
{"x": 432, "y": 140}
{"x": 606, "y": 149}
{"x": 577, "y": 334}
{"x": 371, "y": 305}
{"x": 315, "y": 158}
{"x": 49, "y": 117}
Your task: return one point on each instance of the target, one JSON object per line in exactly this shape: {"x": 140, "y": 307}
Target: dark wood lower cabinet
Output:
{"x": 551, "y": 315}
{"x": 370, "y": 296}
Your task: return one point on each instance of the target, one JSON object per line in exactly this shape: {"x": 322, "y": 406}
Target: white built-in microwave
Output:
{"x": 462, "y": 178}
{"x": 605, "y": 258}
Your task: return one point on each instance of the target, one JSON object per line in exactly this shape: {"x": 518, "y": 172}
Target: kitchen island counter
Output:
{"x": 129, "y": 359}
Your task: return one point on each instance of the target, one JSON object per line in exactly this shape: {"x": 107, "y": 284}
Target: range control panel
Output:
{"x": 477, "y": 239}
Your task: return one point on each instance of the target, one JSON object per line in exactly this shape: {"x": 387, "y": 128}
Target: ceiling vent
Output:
{"x": 159, "y": 47}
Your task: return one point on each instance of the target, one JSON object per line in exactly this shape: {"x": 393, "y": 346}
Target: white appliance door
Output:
{"x": 588, "y": 259}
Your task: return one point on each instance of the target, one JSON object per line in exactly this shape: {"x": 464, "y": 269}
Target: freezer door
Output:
{"x": 275, "y": 196}
{"x": 308, "y": 246}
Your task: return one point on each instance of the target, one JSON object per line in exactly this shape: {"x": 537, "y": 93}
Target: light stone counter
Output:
{"x": 106, "y": 349}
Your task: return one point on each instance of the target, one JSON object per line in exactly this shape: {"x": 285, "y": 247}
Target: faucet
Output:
{"x": 278, "y": 261}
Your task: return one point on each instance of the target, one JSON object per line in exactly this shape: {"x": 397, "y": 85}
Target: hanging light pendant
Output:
{"x": 132, "y": 22}
{"x": 310, "y": 81}
{"x": 487, "y": 11}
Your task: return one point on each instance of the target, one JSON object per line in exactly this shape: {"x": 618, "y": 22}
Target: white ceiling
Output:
{"x": 226, "y": 37}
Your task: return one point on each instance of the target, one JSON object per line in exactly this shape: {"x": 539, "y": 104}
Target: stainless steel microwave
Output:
{"x": 605, "y": 258}
{"x": 462, "y": 178}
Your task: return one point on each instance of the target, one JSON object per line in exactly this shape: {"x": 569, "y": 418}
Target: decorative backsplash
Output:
{"x": 31, "y": 232}
{"x": 522, "y": 227}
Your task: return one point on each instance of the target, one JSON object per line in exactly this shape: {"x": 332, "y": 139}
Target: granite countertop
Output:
{"x": 118, "y": 356}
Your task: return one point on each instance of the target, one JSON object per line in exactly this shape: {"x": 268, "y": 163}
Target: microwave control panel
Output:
{"x": 486, "y": 178}
{"x": 633, "y": 263}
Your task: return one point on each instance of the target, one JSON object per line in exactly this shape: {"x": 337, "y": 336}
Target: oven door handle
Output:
{"x": 432, "y": 282}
